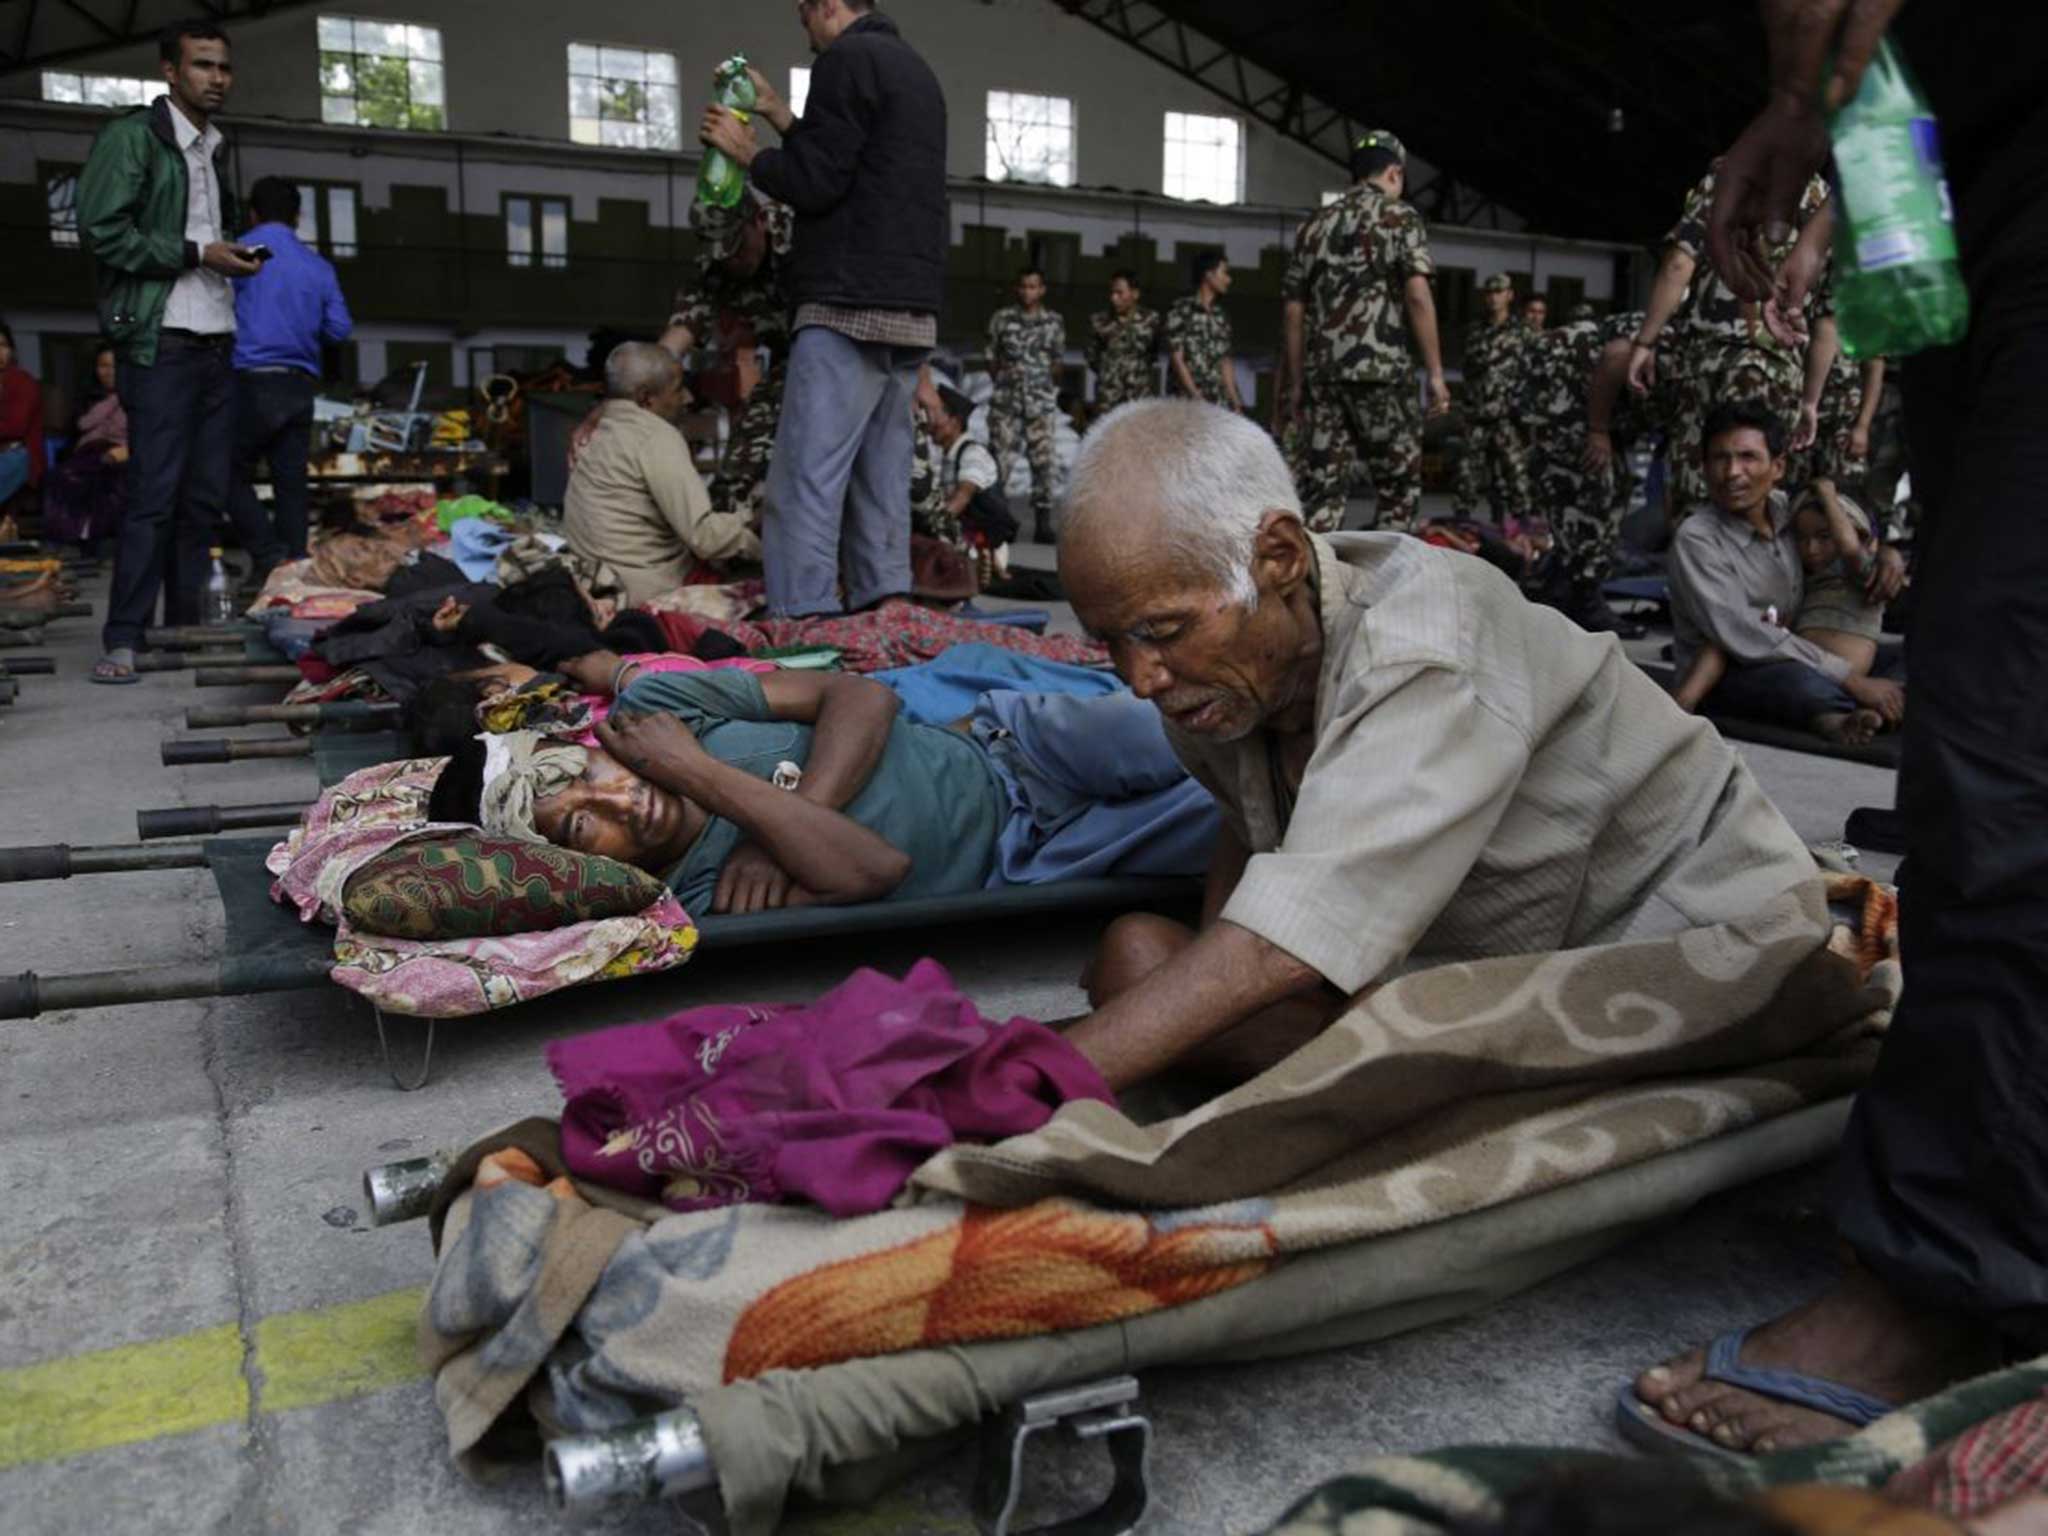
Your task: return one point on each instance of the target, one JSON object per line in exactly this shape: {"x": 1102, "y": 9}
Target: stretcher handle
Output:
{"x": 206, "y": 820}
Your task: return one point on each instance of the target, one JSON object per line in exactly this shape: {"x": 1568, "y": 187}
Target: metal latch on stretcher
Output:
{"x": 1105, "y": 1410}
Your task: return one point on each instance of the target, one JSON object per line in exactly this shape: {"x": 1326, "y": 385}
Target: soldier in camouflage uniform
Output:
{"x": 1026, "y": 342}
{"x": 928, "y": 514}
{"x": 1728, "y": 353}
{"x": 1357, "y": 282}
{"x": 1495, "y": 350}
{"x": 1123, "y": 346}
{"x": 738, "y": 302}
{"x": 1848, "y": 407}
{"x": 1198, "y": 337}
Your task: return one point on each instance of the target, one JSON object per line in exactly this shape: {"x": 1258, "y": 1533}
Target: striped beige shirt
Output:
{"x": 1487, "y": 779}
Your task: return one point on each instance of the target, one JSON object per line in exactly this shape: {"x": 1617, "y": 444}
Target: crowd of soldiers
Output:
{"x": 1549, "y": 414}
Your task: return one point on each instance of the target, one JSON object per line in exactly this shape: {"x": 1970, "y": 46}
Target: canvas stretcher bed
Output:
{"x": 1464, "y": 1132}
{"x": 267, "y": 948}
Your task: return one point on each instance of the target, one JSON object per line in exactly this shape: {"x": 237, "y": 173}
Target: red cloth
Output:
{"x": 21, "y": 416}
{"x": 2002, "y": 1459}
{"x": 835, "y": 1102}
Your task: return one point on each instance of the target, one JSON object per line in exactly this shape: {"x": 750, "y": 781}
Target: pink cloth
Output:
{"x": 665, "y": 661}
{"x": 836, "y": 1102}
{"x": 104, "y": 425}
{"x": 381, "y": 807}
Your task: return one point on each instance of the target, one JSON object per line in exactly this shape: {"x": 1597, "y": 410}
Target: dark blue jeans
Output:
{"x": 181, "y": 443}
{"x": 274, "y": 423}
{"x": 1786, "y": 693}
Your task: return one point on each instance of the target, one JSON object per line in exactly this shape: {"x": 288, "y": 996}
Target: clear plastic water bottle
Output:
{"x": 219, "y": 607}
{"x": 1898, "y": 289}
{"x": 720, "y": 180}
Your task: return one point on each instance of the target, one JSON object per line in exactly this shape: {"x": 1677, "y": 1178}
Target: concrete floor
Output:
{"x": 185, "y": 1167}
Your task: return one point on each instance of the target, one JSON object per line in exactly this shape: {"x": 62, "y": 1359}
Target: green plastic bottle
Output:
{"x": 720, "y": 180}
{"x": 1898, "y": 289}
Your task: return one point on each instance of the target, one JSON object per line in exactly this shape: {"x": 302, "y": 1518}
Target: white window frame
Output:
{"x": 117, "y": 92}
{"x": 426, "y": 91}
{"x": 1023, "y": 127}
{"x": 63, "y": 222}
{"x": 652, "y": 71}
{"x": 1187, "y": 158}
{"x": 330, "y": 219}
{"x": 536, "y": 256}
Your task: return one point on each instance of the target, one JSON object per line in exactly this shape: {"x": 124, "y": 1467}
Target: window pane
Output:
{"x": 382, "y": 37}
{"x": 1030, "y": 138}
{"x": 622, "y": 63}
{"x": 1204, "y": 157}
{"x": 341, "y": 220}
{"x": 337, "y": 74}
{"x": 337, "y": 109}
{"x": 582, "y": 96}
{"x": 62, "y": 87}
{"x": 424, "y": 42}
{"x": 661, "y": 68}
{"x": 336, "y": 32}
{"x": 308, "y": 226}
{"x": 664, "y": 117}
{"x": 519, "y": 231}
{"x": 62, "y": 193}
{"x": 585, "y": 130}
{"x": 799, "y": 89}
{"x": 426, "y": 84}
{"x": 582, "y": 59}
{"x": 554, "y": 232}
{"x": 426, "y": 119}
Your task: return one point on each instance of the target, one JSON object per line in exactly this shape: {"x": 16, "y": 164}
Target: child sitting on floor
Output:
{"x": 1837, "y": 550}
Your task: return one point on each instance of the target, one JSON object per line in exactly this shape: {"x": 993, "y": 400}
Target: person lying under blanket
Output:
{"x": 748, "y": 792}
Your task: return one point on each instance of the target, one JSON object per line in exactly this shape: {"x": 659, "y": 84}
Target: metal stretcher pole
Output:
{"x": 60, "y": 861}
{"x": 30, "y": 618}
{"x": 344, "y": 713}
{"x": 185, "y": 661}
{"x": 26, "y": 995}
{"x": 206, "y": 820}
{"x": 27, "y": 666}
{"x": 229, "y": 749}
{"x": 19, "y": 639}
{"x": 237, "y": 676}
{"x": 658, "y": 1458}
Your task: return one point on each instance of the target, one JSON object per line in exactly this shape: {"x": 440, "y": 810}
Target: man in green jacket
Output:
{"x": 156, "y": 212}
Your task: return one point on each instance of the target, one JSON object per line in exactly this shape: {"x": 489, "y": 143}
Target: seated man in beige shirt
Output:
{"x": 635, "y": 500}
{"x": 1414, "y": 763}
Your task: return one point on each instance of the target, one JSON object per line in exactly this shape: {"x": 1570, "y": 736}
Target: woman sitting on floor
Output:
{"x": 86, "y": 495}
{"x": 749, "y": 792}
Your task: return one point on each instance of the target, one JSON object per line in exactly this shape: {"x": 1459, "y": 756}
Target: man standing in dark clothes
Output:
{"x": 865, "y": 170}
{"x": 1941, "y": 1192}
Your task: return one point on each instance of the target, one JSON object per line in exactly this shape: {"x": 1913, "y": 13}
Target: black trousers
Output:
{"x": 181, "y": 442}
{"x": 1942, "y": 1187}
{"x": 274, "y": 423}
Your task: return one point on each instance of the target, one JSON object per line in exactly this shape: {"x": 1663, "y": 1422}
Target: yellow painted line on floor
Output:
{"x": 172, "y": 1386}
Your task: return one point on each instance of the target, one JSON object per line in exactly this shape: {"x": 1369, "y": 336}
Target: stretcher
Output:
{"x": 267, "y": 948}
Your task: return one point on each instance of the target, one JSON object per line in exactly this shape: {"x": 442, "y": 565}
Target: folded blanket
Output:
{"x": 835, "y": 1102}
{"x": 1443, "y": 1094}
{"x": 380, "y": 807}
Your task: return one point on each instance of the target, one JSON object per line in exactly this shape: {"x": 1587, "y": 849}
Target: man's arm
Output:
{"x": 1866, "y": 415}
{"x": 1294, "y": 321}
{"x": 1230, "y": 383}
{"x": 110, "y": 191}
{"x": 1421, "y": 306}
{"x": 813, "y": 170}
{"x": 1185, "y": 379}
{"x": 1674, "y": 277}
{"x": 1602, "y": 390}
{"x": 685, "y": 506}
{"x": 1820, "y": 360}
{"x": 1712, "y": 591}
{"x": 1226, "y": 867}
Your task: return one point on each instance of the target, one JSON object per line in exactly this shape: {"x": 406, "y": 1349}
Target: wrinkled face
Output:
{"x": 1498, "y": 302}
{"x": 1815, "y": 541}
{"x": 1123, "y": 298}
{"x": 667, "y": 401}
{"x": 202, "y": 75}
{"x": 1213, "y": 668}
{"x": 614, "y": 812}
{"x": 103, "y": 369}
{"x": 1741, "y": 474}
{"x": 1536, "y": 314}
{"x": 1030, "y": 290}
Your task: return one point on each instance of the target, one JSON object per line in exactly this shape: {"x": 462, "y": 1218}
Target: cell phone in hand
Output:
{"x": 256, "y": 252}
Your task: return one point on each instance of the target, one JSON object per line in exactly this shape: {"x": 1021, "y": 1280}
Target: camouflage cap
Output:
{"x": 1500, "y": 282}
{"x": 1379, "y": 138}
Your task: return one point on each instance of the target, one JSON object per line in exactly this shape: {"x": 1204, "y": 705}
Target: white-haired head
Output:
{"x": 638, "y": 368}
{"x": 1208, "y": 475}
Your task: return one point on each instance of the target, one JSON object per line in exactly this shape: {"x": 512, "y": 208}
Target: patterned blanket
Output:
{"x": 1446, "y": 1092}
{"x": 376, "y": 809}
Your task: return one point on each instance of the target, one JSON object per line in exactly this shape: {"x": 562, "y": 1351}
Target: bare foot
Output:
{"x": 1850, "y": 728}
{"x": 1857, "y": 1335}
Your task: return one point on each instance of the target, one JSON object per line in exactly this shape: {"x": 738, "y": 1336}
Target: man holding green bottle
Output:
{"x": 865, "y": 170}
{"x": 1941, "y": 1191}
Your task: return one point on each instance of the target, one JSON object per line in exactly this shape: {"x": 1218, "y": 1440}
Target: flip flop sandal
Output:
{"x": 108, "y": 670}
{"x": 1644, "y": 1425}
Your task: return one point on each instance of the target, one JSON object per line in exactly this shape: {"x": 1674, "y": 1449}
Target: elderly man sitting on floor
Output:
{"x": 635, "y": 500}
{"x": 1414, "y": 763}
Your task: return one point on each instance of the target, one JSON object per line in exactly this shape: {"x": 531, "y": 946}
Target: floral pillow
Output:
{"x": 472, "y": 887}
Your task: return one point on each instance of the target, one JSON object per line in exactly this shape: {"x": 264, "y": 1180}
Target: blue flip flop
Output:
{"x": 1645, "y": 1426}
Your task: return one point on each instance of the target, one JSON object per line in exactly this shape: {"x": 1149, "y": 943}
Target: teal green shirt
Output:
{"x": 933, "y": 794}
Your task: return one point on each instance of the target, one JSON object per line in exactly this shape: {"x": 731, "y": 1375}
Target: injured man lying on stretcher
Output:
{"x": 1414, "y": 763}
{"x": 746, "y": 791}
